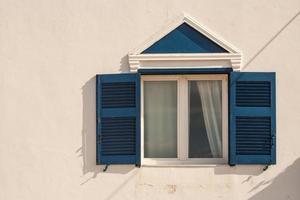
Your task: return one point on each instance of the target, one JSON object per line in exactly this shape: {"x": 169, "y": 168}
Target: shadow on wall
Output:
{"x": 124, "y": 65}
{"x": 284, "y": 186}
{"x": 88, "y": 149}
{"x": 253, "y": 170}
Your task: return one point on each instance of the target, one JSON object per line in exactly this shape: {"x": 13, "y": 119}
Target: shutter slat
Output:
{"x": 246, "y": 93}
{"x": 118, "y": 94}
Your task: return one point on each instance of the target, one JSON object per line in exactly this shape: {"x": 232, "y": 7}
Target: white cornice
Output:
{"x": 234, "y": 59}
{"x": 187, "y": 56}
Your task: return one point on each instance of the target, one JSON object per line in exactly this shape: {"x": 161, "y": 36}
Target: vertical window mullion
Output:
{"x": 182, "y": 118}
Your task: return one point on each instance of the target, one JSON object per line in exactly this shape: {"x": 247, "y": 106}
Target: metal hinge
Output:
{"x": 273, "y": 140}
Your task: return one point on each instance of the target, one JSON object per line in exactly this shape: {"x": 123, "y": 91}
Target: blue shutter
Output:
{"x": 252, "y": 118}
{"x": 118, "y": 118}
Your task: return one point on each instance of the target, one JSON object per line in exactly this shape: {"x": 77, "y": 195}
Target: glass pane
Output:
{"x": 160, "y": 119}
{"x": 205, "y": 119}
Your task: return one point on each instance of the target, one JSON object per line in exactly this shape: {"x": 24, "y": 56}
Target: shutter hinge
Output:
{"x": 105, "y": 168}
{"x": 273, "y": 140}
{"x": 265, "y": 168}
{"x": 98, "y": 139}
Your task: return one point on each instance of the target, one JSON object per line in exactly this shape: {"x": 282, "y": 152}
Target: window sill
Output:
{"x": 194, "y": 162}
{"x": 184, "y": 165}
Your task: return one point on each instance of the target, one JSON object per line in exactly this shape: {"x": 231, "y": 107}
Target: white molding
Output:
{"x": 135, "y": 61}
{"x": 234, "y": 55}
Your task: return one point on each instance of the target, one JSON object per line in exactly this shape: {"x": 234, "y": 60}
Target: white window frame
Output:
{"x": 183, "y": 121}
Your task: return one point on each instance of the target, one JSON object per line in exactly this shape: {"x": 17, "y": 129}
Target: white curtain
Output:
{"x": 211, "y": 100}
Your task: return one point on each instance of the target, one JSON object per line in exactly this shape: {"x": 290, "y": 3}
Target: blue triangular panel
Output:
{"x": 185, "y": 39}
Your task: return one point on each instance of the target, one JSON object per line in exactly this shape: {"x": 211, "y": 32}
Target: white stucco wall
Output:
{"x": 50, "y": 52}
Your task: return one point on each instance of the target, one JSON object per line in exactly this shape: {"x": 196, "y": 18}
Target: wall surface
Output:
{"x": 50, "y": 52}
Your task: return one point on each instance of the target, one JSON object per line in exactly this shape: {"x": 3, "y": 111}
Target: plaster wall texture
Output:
{"x": 50, "y": 52}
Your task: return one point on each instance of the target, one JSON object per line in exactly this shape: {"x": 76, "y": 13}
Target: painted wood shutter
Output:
{"x": 252, "y": 118}
{"x": 118, "y": 118}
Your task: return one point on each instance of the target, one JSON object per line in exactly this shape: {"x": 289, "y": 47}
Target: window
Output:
{"x": 184, "y": 119}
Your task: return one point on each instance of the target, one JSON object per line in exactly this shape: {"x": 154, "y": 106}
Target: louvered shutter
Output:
{"x": 252, "y": 118}
{"x": 118, "y": 119}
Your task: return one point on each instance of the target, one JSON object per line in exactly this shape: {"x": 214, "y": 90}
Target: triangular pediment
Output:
{"x": 185, "y": 39}
{"x": 185, "y": 35}
{"x": 185, "y": 43}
